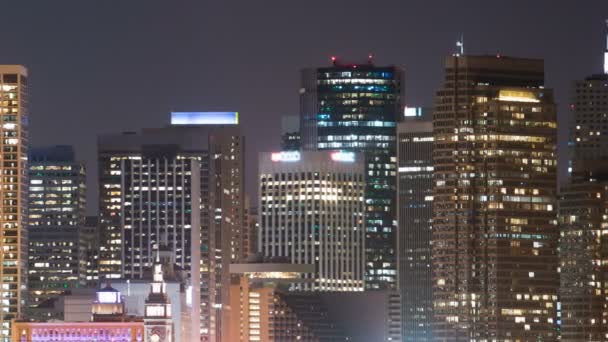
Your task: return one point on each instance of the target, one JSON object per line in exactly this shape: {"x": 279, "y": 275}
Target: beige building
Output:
{"x": 312, "y": 211}
{"x": 13, "y": 192}
{"x": 494, "y": 238}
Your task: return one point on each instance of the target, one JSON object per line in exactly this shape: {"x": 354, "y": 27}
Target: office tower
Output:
{"x": 56, "y": 217}
{"x": 355, "y": 107}
{"x": 494, "y": 236}
{"x": 290, "y": 133}
{"x": 90, "y": 232}
{"x": 312, "y": 212}
{"x": 583, "y": 216}
{"x": 415, "y": 216}
{"x": 14, "y": 112}
{"x": 178, "y": 187}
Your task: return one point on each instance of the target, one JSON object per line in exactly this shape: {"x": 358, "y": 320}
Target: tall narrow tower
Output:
{"x": 158, "y": 321}
{"x": 13, "y": 192}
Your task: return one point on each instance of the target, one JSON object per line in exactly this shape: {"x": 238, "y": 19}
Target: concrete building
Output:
{"x": 179, "y": 187}
{"x": 312, "y": 212}
{"x": 494, "y": 237}
{"x": 14, "y": 112}
{"x": 56, "y": 213}
{"x": 355, "y": 107}
{"x": 415, "y": 216}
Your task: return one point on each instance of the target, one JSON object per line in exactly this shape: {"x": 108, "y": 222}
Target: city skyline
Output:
{"x": 268, "y": 172}
{"x": 76, "y": 57}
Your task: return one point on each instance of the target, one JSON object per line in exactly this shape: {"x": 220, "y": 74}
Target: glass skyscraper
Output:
{"x": 415, "y": 215}
{"x": 355, "y": 107}
{"x": 57, "y": 243}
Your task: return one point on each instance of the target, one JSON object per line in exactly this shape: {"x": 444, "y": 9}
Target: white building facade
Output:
{"x": 312, "y": 208}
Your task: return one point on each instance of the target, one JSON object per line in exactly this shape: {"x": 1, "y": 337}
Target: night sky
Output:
{"x": 110, "y": 66}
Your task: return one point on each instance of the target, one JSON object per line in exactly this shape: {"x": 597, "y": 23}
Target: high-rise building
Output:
{"x": 290, "y": 133}
{"x": 312, "y": 212}
{"x": 583, "y": 216}
{"x": 355, "y": 107}
{"x": 181, "y": 188}
{"x": 13, "y": 193}
{"x": 90, "y": 232}
{"x": 583, "y": 219}
{"x": 415, "y": 216}
{"x": 494, "y": 236}
{"x": 56, "y": 217}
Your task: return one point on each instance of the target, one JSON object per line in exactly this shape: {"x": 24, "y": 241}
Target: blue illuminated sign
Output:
{"x": 204, "y": 118}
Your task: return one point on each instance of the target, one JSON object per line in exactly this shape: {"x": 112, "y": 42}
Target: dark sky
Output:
{"x": 109, "y": 66}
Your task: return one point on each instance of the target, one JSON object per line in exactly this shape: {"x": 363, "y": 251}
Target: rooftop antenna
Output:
{"x": 606, "y": 52}
{"x": 460, "y": 44}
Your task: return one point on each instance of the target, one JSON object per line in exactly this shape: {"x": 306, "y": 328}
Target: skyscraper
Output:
{"x": 57, "y": 242}
{"x": 415, "y": 215}
{"x": 290, "y": 133}
{"x": 494, "y": 237}
{"x": 583, "y": 215}
{"x": 91, "y": 238}
{"x": 179, "y": 187}
{"x": 312, "y": 212}
{"x": 355, "y": 107}
{"x": 13, "y": 193}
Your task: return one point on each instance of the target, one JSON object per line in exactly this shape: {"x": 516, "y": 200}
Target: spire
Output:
{"x": 460, "y": 45}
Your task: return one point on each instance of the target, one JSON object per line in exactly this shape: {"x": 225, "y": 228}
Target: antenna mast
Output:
{"x": 460, "y": 44}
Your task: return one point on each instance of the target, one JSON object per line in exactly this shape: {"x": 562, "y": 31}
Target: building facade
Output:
{"x": 312, "y": 212}
{"x": 13, "y": 193}
{"x": 56, "y": 216}
{"x": 266, "y": 311}
{"x": 583, "y": 216}
{"x": 414, "y": 217}
{"x": 290, "y": 133}
{"x": 110, "y": 323}
{"x": 91, "y": 238}
{"x": 355, "y": 107}
{"x": 179, "y": 187}
{"x": 494, "y": 237}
